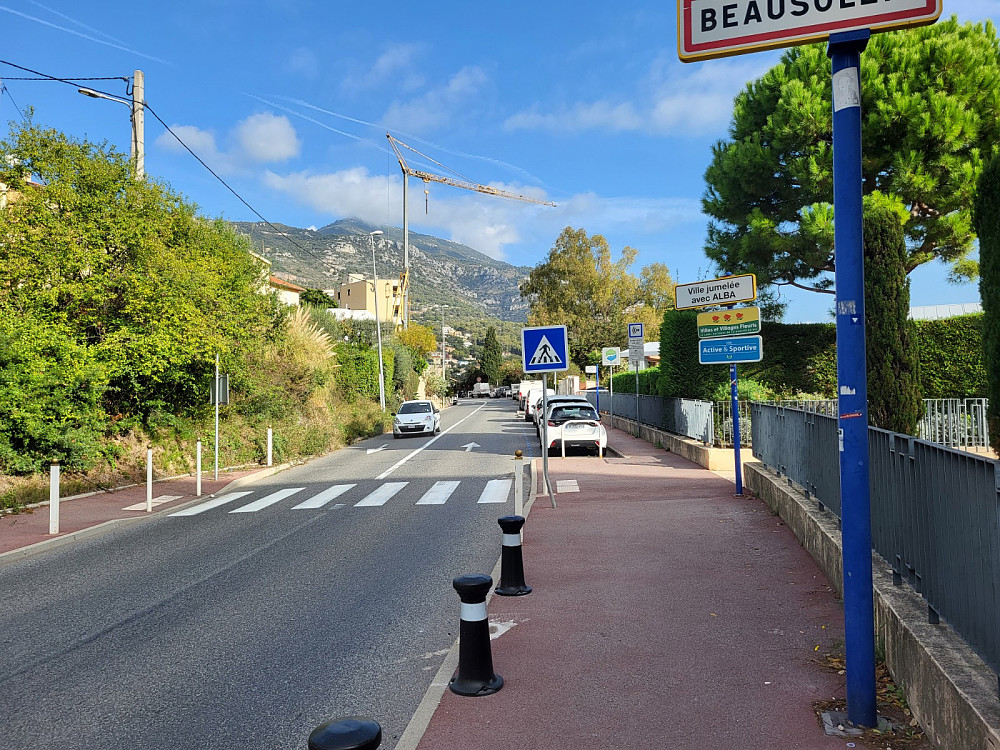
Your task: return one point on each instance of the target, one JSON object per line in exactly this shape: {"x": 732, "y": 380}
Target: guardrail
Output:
{"x": 934, "y": 512}
{"x": 955, "y": 422}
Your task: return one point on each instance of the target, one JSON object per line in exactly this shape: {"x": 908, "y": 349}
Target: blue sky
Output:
{"x": 584, "y": 104}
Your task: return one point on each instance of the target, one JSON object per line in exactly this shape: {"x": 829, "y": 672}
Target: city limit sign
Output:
{"x": 716, "y": 28}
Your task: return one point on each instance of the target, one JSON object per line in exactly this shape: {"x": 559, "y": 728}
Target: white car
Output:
{"x": 532, "y": 399}
{"x": 416, "y": 418}
{"x": 578, "y": 425}
{"x": 553, "y": 401}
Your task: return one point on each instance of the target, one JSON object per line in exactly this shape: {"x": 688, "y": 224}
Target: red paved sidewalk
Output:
{"x": 86, "y": 514}
{"x": 666, "y": 613}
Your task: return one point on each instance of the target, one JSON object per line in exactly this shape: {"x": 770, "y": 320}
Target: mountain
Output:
{"x": 441, "y": 272}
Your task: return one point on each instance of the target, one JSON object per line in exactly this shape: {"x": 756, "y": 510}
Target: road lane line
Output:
{"x": 318, "y": 501}
{"x": 496, "y": 491}
{"x": 429, "y": 443}
{"x": 210, "y": 504}
{"x": 382, "y": 495}
{"x": 438, "y": 494}
{"x": 274, "y": 497}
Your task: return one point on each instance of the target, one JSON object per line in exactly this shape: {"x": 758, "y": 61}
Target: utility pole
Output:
{"x": 138, "y": 123}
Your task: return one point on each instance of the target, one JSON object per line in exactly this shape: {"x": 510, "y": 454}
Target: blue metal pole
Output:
{"x": 597, "y": 393}
{"x": 737, "y": 444}
{"x": 855, "y": 500}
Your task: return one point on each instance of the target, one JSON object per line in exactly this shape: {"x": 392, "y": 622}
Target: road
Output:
{"x": 325, "y": 591}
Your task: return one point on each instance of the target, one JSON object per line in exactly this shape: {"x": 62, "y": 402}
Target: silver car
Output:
{"x": 416, "y": 418}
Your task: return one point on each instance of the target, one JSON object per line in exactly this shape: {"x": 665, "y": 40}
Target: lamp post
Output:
{"x": 136, "y": 104}
{"x": 443, "y": 308}
{"x": 378, "y": 326}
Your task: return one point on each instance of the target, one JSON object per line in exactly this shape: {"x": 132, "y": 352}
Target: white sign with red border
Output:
{"x": 716, "y": 28}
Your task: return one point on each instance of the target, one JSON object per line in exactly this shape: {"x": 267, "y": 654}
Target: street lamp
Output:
{"x": 443, "y": 308}
{"x": 378, "y": 326}
{"x": 136, "y": 104}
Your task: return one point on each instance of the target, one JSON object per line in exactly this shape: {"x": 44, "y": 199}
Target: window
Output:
{"x": 415, "y": 407}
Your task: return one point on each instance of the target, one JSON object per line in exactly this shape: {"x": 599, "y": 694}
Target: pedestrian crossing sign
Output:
{"x": 545, "y": 349}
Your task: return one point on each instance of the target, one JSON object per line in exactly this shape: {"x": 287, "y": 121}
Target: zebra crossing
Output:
{"x": 495, "y": 491}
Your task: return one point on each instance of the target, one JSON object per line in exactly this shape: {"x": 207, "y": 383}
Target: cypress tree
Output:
{"x": 894, "y": 399}
{"x": 492, "y": 357}
{"x": 986, "y": 219}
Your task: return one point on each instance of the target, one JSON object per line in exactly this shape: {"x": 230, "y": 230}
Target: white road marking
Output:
{"x": 376, "y": 450}
{"x": 318, "y": 501}
{"x": 274, "y": 497}
{"x": 438, "y": 494}
{"x": 382, "y": 495}
{"x": 496, "y": 491}
{"x": 215, "y": 503}
{"x": 469, "y": 446}
{"x": 429, "y": 443}
{"x": 566, "y": 485}
{"x": 156, "y": 501}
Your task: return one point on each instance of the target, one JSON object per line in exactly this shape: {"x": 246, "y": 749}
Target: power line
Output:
{"x": 73, "y": 81}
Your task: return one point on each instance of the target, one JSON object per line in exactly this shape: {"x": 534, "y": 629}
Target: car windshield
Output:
{"x": 417, "y": 407}
{"x": 583, "y": 411}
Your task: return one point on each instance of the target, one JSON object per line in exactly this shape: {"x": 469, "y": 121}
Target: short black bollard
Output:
{"x": 350, "y": 733}
{"x": 511, "y": 562}
{"x": 475, "y": 674}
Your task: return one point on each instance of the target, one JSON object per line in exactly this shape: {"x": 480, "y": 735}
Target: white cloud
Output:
{"x": 267, "y": 138}
{"x": 304, "y": 62}
{"x": 260, "y": 138}
{"x": 396, "y": 66}
{"x": 349, "y": 192}
{"x": 671, "y": 100}
{"x": 439, "y": 105}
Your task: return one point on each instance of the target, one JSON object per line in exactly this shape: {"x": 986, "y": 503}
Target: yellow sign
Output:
{"x": 738, "y": 321}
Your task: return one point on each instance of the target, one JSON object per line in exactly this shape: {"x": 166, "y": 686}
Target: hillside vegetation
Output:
{"x": 115, "y": 300}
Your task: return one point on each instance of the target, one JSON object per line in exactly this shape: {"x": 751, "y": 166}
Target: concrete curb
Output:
{"x": 6, "y": 558}
{"x": 951, "y": 691}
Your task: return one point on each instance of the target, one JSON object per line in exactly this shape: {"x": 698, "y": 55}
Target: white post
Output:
{"x": 197, "y": 470}
{"x": 562, "y": 441}
{"x": 149, "y": 479}
{"x": 54, "y": 498}
{"x": 216, "y": 416}
{"x": 270, "y": 446}
{"x": 518, "y": 483}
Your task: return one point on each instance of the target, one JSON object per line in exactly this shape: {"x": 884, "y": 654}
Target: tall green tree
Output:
{"x": 125, "y": 268}
{"x": 986, "y": 212}
{"x": 582, "y": 287}
{"x": 894, "y": 398}
{"x": 491, "y": 361}
{"x": 930, "y": 115}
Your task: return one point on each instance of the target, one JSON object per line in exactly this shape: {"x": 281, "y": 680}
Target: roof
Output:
{"x": 938, "y": 312}
{"x": 282, "y": 284}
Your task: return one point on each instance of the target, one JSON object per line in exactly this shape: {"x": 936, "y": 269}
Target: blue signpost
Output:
{"x": 855, "y": 500}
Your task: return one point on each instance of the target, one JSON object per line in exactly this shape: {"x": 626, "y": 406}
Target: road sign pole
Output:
{"x": 611, "y": 389}
{"x": 855, "y": 501}
{"x": 737, "y": 443}
{"x": 597, "y": 392}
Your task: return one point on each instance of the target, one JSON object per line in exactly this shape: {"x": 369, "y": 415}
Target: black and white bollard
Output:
{"x": 511, "y": 562}
{"x": 351, "y": 733}
{"x": 475, "y": 675}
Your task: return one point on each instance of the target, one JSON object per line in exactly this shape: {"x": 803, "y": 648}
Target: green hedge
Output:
{"x": 801, "y": 358}
{"x": 357, "y": 374}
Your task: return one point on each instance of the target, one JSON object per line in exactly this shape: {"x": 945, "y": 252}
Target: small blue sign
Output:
{"x": 545, "y": 349}
{"x": 730, "y": 351}
{"x": 635, "y": 331}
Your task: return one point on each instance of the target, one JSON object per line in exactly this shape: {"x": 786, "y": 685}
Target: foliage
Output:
{"x": 317, "y": 298}
{"x": 125, "y": 268}
{"x": 986, "y": 214}
{"x": 951, "y": 357}
{"x": 50, "y": 397}
{"x": 681, "y": 375}
{"x": 798, "y": 358}
{"x": 580, "y": 286}
{"x": 931, "y": 114}
{"x": 419, "y": 338}
{"x": 894, "y": 401}
{"x": 491, "y": 359}
{"x": 746, "y": 390}
{"x": 648, "y": 381}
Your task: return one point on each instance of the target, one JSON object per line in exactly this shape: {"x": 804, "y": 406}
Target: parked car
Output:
{"x": 578, "y": 425}
{"x": 416, "y": 418}
{"x": 553, "y": 402}
{"x": 532, "y": 399}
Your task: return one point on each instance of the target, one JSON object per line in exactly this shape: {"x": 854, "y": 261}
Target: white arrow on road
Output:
{"x": 376, "y": 450}
{"x": 469, "y": 446}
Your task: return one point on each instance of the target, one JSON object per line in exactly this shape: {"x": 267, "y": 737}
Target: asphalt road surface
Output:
{"x": 247, "y": 620}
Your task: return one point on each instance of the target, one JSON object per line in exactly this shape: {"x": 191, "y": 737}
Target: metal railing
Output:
{"x": 686, "y": 417}
{"x": 955, "y": 422}
{"x": 934, "y": 512}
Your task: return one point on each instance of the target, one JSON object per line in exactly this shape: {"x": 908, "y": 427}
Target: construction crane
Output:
{"x": 459, "y": 182}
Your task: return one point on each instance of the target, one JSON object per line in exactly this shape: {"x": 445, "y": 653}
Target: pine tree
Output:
{"x": 492, "y": 357}
{"x": 894, "y": 399}
{"x": 986, "y": 218}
